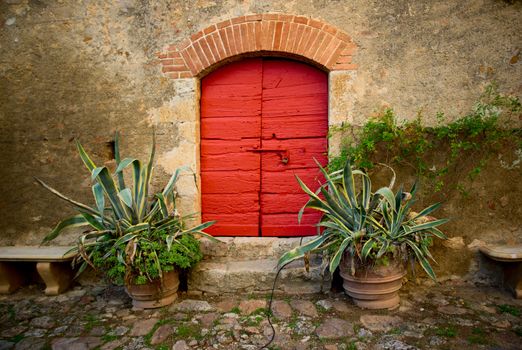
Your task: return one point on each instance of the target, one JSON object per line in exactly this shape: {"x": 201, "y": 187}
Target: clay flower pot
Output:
{"x": 373, "y": 286}
{"x": 155, "y": 294}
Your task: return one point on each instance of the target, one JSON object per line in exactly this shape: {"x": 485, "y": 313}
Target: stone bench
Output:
{"x": 52, "y": 263}
{"x": 511, "y": 258}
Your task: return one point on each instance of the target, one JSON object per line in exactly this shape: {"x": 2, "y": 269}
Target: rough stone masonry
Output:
{"x": 86, "y": 69}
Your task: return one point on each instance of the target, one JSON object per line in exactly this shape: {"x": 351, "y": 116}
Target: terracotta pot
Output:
{"x": 373, "y": 286}
{"x": 155, "y": 294}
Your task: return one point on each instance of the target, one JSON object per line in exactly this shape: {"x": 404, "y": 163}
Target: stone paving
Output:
{"x": 447, "y": 316}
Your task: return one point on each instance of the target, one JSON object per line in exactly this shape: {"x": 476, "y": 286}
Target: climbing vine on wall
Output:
{"x": 436, "y": 153}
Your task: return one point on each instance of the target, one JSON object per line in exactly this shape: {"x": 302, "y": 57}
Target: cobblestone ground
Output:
{"x": 448, "y": 316}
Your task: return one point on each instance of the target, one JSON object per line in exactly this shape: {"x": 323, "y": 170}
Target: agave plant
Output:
{"x": 131, "y": 221}
{"x": 368, "y": 225}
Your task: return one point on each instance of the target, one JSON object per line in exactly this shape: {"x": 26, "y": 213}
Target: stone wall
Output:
{"x": 86, "y": 69}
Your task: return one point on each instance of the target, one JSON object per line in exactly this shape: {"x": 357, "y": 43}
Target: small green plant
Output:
{"x": 109, "y": 337}
{"x": 395, "y": 331}
{"x": 235, "y": 310}
{"x": 17, "y": 338}
{"x": 351, "y": 346}
{"x": 185, "y": 331}
{"x": 135, "y": 238}
{"x": 509, "y": 309}
{"x": 91, "y": 321}
{"x": 478, "y": 336}
{"x": 448, "y": 331}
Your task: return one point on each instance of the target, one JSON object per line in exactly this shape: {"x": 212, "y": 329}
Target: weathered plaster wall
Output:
{"x": 85, "y": 69}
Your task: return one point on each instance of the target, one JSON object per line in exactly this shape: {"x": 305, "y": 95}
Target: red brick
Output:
{"x": 252, "y": 18}
{"x": 192, "y": 60}
{"x": 173, "y": 54}
{"x": 315, "y": 23}
{"x": 223, "y": 36}
{"x": 277, "y": 35}
{"x": 349, "y": 50}
{"x": 265, "y": 28}
{"x": 315, "y": 45}
{"x": 167, "y": 62}
{"x": 219, "y": 45}
{"x": 258, "y": 32}
{"x": 208, "y": 53}
{"x": 166, "y": 69}
{"x": 301, "y": 19}
{"x": 243, "y": 29}
{"x": 196, "y": 36}
{"x": 185, "y": 75}
{"x": 183, "y": 44}
{"x": 161, "y": 55}
{"x": 343, "y": 36}
{"x": 324, "y": 56}
{"x": 231, "y": 40}
{"x": 335, "y": 55}
{"x": 292, "y": 32}
{"x": 330, "y": 29}
{"x": 298, "y": 37}
{"x": 313, "y": 35}
{"x": 304, "y": 39}
{"x": 345, "y": 66}
{"x": 251, "y": 36}
{"x": 237, "y": 39}
{"x": 209, "y": 30}
{"x": 320, "y": 50}
{"x": 285, "y": 18}
{"x": 173, "y": 75}
{"x": 201, "y": 54}
{"x": 270, "y": 17}
{"x": 224, "y": 24}
{"x": 238, "y": 20}
{"x": 284, "y": 35}
{"x": 343, "y": 59}
{"x": 213, "y": 48}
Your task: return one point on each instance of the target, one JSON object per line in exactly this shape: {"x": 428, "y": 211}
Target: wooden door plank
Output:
{"x": 295, "y": 119}
{"x": 230, "y": 126}
{"x": 297, "y": 154}
{"x": 237, "y": 224}
{"x": 229, "y": 182}
{"x": 294, "y": 127}
{"x": 230, "y": 203}
{"x": 287, "y": 224}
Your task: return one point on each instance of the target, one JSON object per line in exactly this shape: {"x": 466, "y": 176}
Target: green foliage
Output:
{"x": 235, "y": 310}
{"x": 478, "y": 336}
{"x": 448, "y": 331}
{"x": 509, "y": 309}
{"x": 136, "y": 237}
{"x": 476, "y": 136}
{"x": 370, "y": 226}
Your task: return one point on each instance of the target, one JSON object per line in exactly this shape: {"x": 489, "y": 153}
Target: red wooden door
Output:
{"x": 263, "y": 121}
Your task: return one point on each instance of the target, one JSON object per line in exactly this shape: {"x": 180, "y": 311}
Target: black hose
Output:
{"x": 269, "y": 312}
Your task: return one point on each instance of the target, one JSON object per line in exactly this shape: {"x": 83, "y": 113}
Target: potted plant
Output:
{"x": 369, "y": 235}
{"x": 136, "y": 240}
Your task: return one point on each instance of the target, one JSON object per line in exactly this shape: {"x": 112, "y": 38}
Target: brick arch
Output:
{"x": 295, "y": 36}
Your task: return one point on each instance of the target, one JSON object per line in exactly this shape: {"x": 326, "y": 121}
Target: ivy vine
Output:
{"x": 489, "y": 128}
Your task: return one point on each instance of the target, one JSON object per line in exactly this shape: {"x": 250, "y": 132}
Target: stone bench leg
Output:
{"x": 57, "y": 276}
{"x": 513, "y": 278}
{"x": 11, "y": 278}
